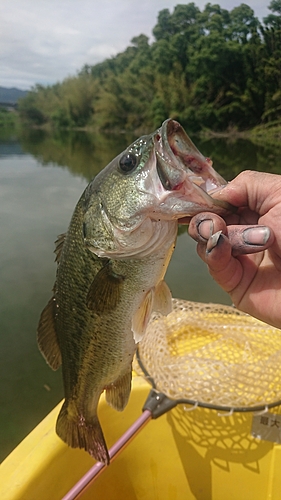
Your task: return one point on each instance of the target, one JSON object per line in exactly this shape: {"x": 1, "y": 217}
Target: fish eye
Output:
{"x": 128, "y": 162}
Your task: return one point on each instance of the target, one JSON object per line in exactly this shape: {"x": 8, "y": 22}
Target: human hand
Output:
{"x": 243, "y": 250}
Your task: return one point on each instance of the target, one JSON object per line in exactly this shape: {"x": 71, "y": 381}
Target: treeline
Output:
{"x": 209, "y": 69}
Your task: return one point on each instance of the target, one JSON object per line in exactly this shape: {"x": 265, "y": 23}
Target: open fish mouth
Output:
{"x": 180, "y": 164}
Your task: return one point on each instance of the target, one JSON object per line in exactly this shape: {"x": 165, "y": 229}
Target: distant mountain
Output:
{"x": 11, "y": 95}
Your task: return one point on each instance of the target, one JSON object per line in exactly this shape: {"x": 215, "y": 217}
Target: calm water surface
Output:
{"x": 41, "y": 179}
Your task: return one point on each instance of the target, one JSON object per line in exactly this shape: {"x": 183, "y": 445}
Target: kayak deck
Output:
{"x": 183, "y": 454}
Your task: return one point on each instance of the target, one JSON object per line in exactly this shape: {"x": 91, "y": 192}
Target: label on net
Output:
{"x": 267, "y": 426}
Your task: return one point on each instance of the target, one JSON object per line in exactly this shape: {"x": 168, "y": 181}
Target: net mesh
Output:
{"x": 213, "y": 354}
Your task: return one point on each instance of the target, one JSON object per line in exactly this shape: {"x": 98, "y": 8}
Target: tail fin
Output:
{"x": 74, "y": 430}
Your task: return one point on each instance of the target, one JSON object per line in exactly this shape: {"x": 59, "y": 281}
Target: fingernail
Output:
{"x": 205, "y": 228}
{"x": 256, "y": 235}
{"x": 213, "y": 241}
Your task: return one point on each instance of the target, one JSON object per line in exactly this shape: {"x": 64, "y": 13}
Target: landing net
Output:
{"x": 212, "y": 355}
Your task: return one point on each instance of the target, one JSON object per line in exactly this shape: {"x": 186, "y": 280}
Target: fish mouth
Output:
{"x": 183, "y": 169}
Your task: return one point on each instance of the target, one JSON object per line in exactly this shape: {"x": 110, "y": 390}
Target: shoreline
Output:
{"x": 269, "y": 133}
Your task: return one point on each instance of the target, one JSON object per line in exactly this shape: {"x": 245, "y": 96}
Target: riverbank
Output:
{"x": 8, "y": 119}
{"x": 268, "y": 134}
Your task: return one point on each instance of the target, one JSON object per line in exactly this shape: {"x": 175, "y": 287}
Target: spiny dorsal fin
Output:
{"x": 117, "y": 393}
{"x": 59, "y": 246}
{"x": 142, "y": 316}
{"x": 47, "y": 337}
{"x": 104, "y": 292}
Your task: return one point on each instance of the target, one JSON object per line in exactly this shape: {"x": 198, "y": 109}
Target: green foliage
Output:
{"x": 8, "y": 119}
{"x": 209, "y": 69}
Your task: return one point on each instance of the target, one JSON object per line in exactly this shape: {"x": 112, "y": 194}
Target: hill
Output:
{"x": 11, "y": 95}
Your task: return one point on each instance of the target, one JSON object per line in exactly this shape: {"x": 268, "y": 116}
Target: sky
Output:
{"x": 45, "y": 41}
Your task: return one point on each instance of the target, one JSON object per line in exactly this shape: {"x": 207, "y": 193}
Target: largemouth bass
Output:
{"x": 110, "y": 273}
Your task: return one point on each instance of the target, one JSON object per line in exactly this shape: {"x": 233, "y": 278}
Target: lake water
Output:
{"x": 41, "y": 178}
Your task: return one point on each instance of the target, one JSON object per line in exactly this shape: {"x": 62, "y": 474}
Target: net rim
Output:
{"x": 201, "y": 404}
{"x": 227, "y": 407}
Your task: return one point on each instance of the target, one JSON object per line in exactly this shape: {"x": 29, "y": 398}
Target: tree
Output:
{"x": 273, "y": 20}
{"x": 243, "y": 23}
{"x": 164, "y": 26}
{"x": 211, "y": 68}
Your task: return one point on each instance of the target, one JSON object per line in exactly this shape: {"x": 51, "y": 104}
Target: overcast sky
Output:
{"x": 44, "y": 41}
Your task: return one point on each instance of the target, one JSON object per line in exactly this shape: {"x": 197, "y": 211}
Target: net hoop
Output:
{"x": 212, "y": 356}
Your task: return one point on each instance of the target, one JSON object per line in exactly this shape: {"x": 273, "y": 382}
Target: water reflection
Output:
{"x": 232, "y": 156}
{"x": 86, "y": 153}
{"x": 41, "y": 179}
{"x": 82, "y": 153}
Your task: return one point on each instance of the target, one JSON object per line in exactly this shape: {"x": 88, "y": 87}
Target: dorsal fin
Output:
{"x": 59, "y": 246}
{"x": 47, "y": 337}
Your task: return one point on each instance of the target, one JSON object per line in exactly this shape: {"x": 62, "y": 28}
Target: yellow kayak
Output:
{"x": 185, "y": 451}
{"x": 181, "y": 455}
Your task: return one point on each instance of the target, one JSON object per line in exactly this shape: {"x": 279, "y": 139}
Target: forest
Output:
{"x": 210, "y": 69}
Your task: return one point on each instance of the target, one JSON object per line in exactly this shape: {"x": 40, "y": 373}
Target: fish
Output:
{"x": 111, "y": 264}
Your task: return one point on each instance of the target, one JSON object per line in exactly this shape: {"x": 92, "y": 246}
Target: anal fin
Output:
{"x": 47, "y": 337}
{"x": 118, "y": 393}
{"x": 78, "y": 432}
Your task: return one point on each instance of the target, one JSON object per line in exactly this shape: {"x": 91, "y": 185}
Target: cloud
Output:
{"x": 48, "y": 40}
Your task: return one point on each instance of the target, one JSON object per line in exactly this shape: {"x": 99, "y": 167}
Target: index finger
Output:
{"x": 255, "y": 190}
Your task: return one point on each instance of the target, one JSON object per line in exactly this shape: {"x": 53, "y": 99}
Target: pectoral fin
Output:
{"x": 158, "y": 299}
{"x": 47, "y": 337}
{"x": 117, "y": 393}
{"x": 162, "y": 299}
{"x": 142, "y": 315}
{"x": 104, "y": 292}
